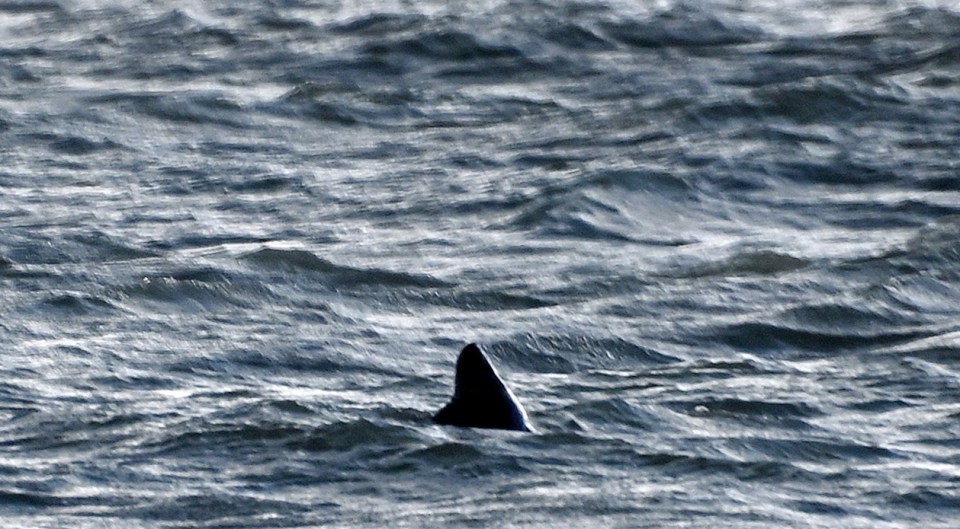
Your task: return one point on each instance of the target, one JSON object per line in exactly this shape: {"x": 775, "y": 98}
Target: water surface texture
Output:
{"x": 713, "y": 247}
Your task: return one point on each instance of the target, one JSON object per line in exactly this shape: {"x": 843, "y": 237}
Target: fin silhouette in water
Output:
{"x": 480, "y": 398}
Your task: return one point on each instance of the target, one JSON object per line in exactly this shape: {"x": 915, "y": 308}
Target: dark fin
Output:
{"x": 480, "y": 398}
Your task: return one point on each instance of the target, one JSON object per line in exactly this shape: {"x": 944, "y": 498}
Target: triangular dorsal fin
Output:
{"x": 480, "y": 398}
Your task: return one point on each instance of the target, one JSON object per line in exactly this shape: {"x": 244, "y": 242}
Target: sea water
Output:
{"x": 713, "y": 247}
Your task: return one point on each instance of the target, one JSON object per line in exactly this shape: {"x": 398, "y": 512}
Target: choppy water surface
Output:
{"x": 713, "y": 246}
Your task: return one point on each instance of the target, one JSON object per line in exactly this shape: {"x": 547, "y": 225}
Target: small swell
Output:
{"x": 811, "y": 100}
{"x": 879, "y": 405}
{"x": 456, "y": 53}
{"x": 819, "y": 507}
{"x": 550, "y": 353}
{"x": 349, "y": 104}
{"x": 289, "y": 259}
{"x": 345, "y": 275}
{"x": 461, "y": 458}
{"x": 380, "y": 24}
{"x": 29, "y": 6}
{"x": 937, "y": 242}
{"x": 264, "y": 184}
{"x": 817, "y": 450}
{"x": 751, "y": 408}
{"x": 77, "y": 304}
{"x": 281, "y": 24}
{"x": 835, "y": 316}
{"x": 760, "y": 336}
{"x": 450, "y": 45}
{"x": 194, "y": 437}
{"x": 927, "y": 498}
{"x": 190, "y": 290}
{"x": 484, "y": 300}
{"x": 448, "y": 453}
{"x": 176, "y": 29}
{"x": 608, "y": 205}
{"x": 212, "y": 109}
{"x": 574, "y": 215}
{"x": 205, "y": 509}
{"x": 106, "y": 248}
{"x": 328, "y": 363}
{"x": 80, "y": 146}
{"x": 682, "y": 27}
{"x": 614, "y": 411}
{"x": 574, "y": 36}
{"x": 681, "y": 464}
{"x": 762, "y": 262}
{"x": 356, "y": 435}
{"x": 17, "y": 499}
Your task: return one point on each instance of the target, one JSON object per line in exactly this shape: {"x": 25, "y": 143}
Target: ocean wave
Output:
{"x": 936, "y": 243}
{"x": 821, "y": 508}
{"x": 684, "y": 464}
{"x": 349, "y": 104}
{"x": 214, "y": 509}
{"x": 98, "y": 246}
{"x": 613, "y": 412}
{"x": 327, "y": 359}
{"x": 342, "y": 275}
{"x": 32, "y": 500}
{"x": 276, "y": 22}
{"x": 782, "y": 336}
{"x": 482, "y": 300}
{"x": 621, "y": 351}
{"x": 806, "y": 102}
{"x": 941, "y": 348}
{"x": 462, "y": 54}
{"x": 818, "y": 450}
{"x": 13, "y": 271}
{"x": 625, "y": 205}
{"x": 744, "y": 263}
{"x": 545, "y": 353}
{"x": 189, "y": 108}
{"x": 451, "y": 453}
{"x": 447, "y": 44}
{"x": 680, "y": 26}
{"x": 71, "y": 304}
{"x": 190, "y": 290}
{"x": 358, "y": 435}
{"x": 200, "y": 436}
{"x": 460, "y": 459}
{"x": 44, "y": 427}
{"x": 80, "y": 145}
{"x": 879, "y": 405}
{"x": 175, "y": 29}
{"x": 575, "y": 35}
{"x": 750, "y": 409}
{"x": 927, "y": 497}
{"x": 382, "y": 24}
{"x": 30, "y": 7}
{"x": 937, "y": 21}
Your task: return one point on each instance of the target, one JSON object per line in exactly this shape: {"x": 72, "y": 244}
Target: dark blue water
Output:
{"x": 713, "y": 247}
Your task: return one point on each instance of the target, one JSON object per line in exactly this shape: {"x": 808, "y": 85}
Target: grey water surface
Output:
{"x": 713, "y": 247}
